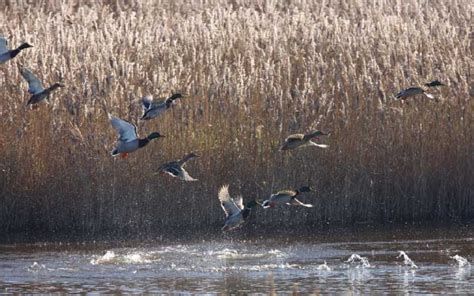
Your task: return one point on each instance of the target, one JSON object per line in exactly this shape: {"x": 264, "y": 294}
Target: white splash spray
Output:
{"x": 355, "y": 258}
{"x": 462, "y": 262}
{"x": 406, "y": 260}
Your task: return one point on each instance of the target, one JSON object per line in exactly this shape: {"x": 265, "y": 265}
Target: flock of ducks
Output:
{"x": 128, "y": 141}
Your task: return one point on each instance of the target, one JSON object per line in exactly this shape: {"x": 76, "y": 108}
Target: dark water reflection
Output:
{"x": 284, "y": 264}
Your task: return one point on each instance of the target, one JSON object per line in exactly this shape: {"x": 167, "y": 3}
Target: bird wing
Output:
{"x": 289, "y": 193}
{"x": 127, "y": 131}
{"x": 3, "y": 45}
{"x": 147, "y": 102}
{"x": 324, "y": 146}
{"x": 227, "y": 203}
{"x": 295, "y": 137}
{"x": 34, "y": 84}
{"x": 186, "y": 176}
{"x": 296, "y": 202}
{"x": 239, "y": 201}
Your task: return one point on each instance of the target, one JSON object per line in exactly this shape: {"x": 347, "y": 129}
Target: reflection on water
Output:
{"x": 433, "y": 265}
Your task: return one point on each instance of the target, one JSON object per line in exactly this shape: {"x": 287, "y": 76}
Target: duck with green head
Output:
{"x": 300, "y": 140}
{"x": 236, "y": 213}
{"x": 8, "y": 54}
{"x": 35, "y": 87}
{"x": 287, "y": 197}
{"x": 176, "y": 168}
{"x": 414, "y": 91}
{"x": 128, "y": 140}
{"x": 154, "y": 108}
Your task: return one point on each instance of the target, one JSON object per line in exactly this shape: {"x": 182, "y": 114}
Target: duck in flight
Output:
{"x": 414, "y": 91}
{"x": 154, "y": 108}
{"x": 287, "y": 197}
{"x": 35, "y": 87}
{"x": 235, "y": 212}
{"x": 176, "y": 168}
{"x": 301, "y": 140}
{"x": 8, "y": 54}
{"x": 128, "y": 140}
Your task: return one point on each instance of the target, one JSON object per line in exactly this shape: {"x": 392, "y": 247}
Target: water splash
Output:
{"x": 35, "y": 267}
{"x": 130, "y": 258}
{"x": 462, "y": 262}
{"x": 356, "y": 258}
{"x": 406, "y": 260}
{"x": 108, "y": 257}
{"x": 324, "y": 267}
{"x": 230, "y": 254}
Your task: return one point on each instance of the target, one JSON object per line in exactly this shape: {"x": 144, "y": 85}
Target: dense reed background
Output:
{"x": 255, "y": 72}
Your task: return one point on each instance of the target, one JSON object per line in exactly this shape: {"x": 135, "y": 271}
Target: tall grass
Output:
{"x": 254, "y": 72}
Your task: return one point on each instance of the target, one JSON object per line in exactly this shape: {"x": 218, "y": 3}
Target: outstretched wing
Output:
{"x": 296, "y": 202}
{"x": 127, "y": 131}
{"x": 227, "y": 203}
{"x": 294, "y": 138}
{"x": 186, "y": 176}
{"x": 239, "y": 202}
{"x": 147, "y": 101}
{"x": 3, "y": 45}
{"x": 34, "y": 84}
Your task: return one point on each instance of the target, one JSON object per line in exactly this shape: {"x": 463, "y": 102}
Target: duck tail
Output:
{"x": 430, "y": 96}
{"x": 114, "y": 153}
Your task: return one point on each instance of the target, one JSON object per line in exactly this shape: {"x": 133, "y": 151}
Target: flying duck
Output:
{"x": 35, "y": 87}
{"x": 128, "y": 140}
{"x": 414, "y": 91}
{"x": 300, "y": 140}
{"x": 286, "y": 197}
{"x": 154, "y": 108}
{"x": 8, "y": 54}
{"x": 234, "y": 209}
{"x": 176, "y": 168}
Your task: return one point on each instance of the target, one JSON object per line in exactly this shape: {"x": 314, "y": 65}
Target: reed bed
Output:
{"x": 254, "y": 72}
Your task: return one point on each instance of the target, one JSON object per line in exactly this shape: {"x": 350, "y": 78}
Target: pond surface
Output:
{"x": 436, "y": 262}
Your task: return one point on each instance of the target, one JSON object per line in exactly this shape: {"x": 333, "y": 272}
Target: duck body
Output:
{"x": 35, "y": 87}
{"x": 6, "y": 54}
{"x": 414, "y": 91}
{"x": 300, "y": 140}
{"x": 128, "y": 140}
{"x": 153, "y": 109}
{"x": 236, "y": 213}
{"x": 38, "y": 97}
{"x": 176, "y": 168}
{"x": 287, "y": 197}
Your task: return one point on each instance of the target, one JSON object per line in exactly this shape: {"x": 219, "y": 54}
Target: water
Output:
{"x": 288, "y": 264}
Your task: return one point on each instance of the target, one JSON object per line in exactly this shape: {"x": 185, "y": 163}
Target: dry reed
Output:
{"x": 255, "y": 72}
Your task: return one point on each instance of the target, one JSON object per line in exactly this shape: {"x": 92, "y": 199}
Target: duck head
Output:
{"x": 155, "y": 135}
{"x": 177, "y": 96}
{"x": 305, "y": 189}
{"x": 434, "y": 83}
{"x": 251, "y": 204}
{"x": 25, "y": 45}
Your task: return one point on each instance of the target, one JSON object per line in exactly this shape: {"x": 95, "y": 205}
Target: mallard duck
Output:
{"x": 286, "y": 197}
{"x": 300, "y": 140}
{"x": 234, "y": 209}
{"x": 434, "y": 83}
{"x": 176, "y": 168}
{"x": 8, "y": 54}
{"x": 128, "y": 140}
{"x": 36, "y": 88}
{"x": 154, "y": 108}
{"x": 411, "y": 92}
